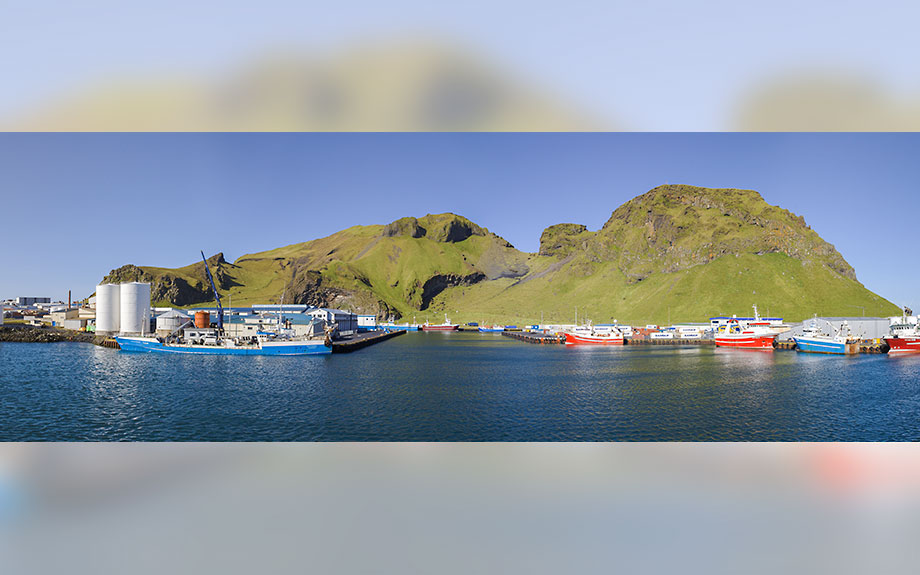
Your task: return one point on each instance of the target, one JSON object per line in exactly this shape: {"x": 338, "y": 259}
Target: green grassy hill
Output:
{"x": 677, "y": 253}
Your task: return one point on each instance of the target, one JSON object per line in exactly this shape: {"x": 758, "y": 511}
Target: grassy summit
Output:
{"x": 677, "y": 252}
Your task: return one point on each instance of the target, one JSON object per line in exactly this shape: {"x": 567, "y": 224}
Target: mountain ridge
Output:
{"x": 676, "y": 248}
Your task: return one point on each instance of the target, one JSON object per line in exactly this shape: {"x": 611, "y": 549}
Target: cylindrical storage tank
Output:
{"x": 108, "y": 310}
{"x": 202, "y": 319}
{"x": 169, "y": 322}
{"x": 135, "y": 308}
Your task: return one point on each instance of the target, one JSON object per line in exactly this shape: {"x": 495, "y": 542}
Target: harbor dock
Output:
{"x": 529, "y": 337}
{"x": 361, "y": 340}
{"x": 672, "y": 341}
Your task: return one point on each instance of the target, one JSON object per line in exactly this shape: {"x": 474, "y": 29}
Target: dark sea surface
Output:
{"x": 458, "y": 387}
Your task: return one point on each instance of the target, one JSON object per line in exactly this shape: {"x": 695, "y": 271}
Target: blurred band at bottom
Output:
{"x": 458, "y": 508}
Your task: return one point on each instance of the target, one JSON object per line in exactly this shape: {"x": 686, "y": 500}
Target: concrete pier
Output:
{"x": 674, "y": 341}
{"x": 542, "y": 338}
{"x": 361, "y": 340}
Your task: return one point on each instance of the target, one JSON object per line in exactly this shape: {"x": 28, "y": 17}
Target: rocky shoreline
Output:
{"x": 32, "y": 334}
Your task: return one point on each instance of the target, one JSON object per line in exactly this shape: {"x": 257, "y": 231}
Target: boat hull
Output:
{"x": 903, "y": 344}
{"x": 746, "y": 341}
{"x": 577, "y": 339}
{"x": 151, "y": 345}
{"x": 810, "y": 345}
{"x": 387, "y": 327}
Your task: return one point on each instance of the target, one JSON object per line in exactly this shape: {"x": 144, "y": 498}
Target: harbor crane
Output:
{"x": 220, "y": 308}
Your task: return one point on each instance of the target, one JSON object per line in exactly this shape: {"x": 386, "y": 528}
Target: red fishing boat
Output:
{"x": 446, "y": 326}
{"x": 594, "y": 336}
{"x": 904, "y": 336}
{"x": 746, "y": 334}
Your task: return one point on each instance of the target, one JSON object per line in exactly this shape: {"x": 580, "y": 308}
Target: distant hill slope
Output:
{"x": 678, "y": 252}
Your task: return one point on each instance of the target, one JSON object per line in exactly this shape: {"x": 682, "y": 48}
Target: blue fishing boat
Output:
{"x": 258, "y": 346}
{"x": 398, "y": 327}
{"x": 202, "y": 339}
{"x": 491, "y": 329}
{"x": 814, "y": 340}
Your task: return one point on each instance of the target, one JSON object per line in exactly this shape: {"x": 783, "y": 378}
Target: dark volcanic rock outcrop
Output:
{"x": 561, "y": 239}
{"x": 436, "y": 284}
{"x": 181, "y": 287}
{"x": 404, "y": 227}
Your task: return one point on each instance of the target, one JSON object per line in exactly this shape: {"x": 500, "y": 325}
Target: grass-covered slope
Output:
{"x": 677, "y": 252}
{"x": 386, "y": 270}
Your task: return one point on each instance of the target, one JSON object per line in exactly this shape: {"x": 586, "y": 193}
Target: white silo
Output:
{"x": 171, "y": 321}
{"x": 108, "y": 310}
{"x": 135, "y": 308}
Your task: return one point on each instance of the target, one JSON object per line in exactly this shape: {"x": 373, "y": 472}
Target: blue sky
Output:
{"x": 78, "y": 205}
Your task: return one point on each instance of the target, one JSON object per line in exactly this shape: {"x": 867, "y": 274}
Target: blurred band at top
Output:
{"x": 410, "y": 65}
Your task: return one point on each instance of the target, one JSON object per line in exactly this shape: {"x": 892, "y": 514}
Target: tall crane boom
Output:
{"x": 220, "y": 308}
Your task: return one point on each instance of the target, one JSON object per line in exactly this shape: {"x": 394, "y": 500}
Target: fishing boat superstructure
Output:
{"x": 746, "y": 334}
{"x": 594, "y": 335}
{"x": 904, "y": 335}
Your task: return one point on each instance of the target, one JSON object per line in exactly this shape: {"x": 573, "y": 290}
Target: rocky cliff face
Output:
{"x": 182, "y": 287}
{"x": 675, "y": 227}
{"x": 561, "y": 240}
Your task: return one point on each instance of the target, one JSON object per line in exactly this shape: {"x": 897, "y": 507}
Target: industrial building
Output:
{"x": 862, "y": 327}
{"x": 302, "y": 325}
{"x": 345, "y": 321}
{"x": 58, "y": 318}
{"x": 716, "y": 322}
{"x": 29, "y": 301}
{"x": 275, "y": 308}
{"x": 367, "y": 322}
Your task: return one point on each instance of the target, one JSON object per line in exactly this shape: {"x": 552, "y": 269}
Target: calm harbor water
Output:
{"x": 457, "y": 387}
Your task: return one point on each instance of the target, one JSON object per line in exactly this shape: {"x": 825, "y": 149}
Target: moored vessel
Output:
{"x": 744, "y": 334}
{"x": 491, "y": 329}
{"x": 217, "y": 346}
{"x": 904, "y": 334}
{"x": 589, "y": 335}
{"x": 814, "y": 340}
{"x": 446, "y": 326}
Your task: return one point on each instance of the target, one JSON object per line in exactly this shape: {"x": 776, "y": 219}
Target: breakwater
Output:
{"x": 33, "y": 334}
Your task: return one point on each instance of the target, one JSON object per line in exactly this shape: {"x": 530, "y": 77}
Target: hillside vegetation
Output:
{"x": 678, "y": 253}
